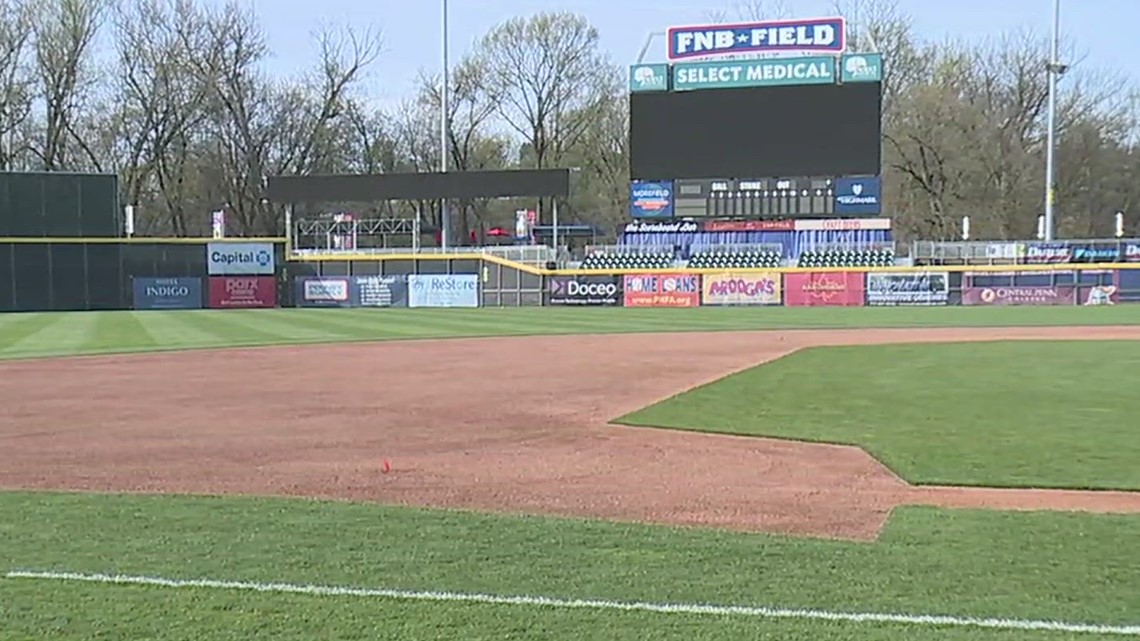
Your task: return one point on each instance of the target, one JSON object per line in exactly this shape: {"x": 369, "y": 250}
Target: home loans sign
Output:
{"x": 816, "y": 35}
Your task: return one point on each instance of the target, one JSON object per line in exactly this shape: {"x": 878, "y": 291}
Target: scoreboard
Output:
{"x": 779, "y": 198}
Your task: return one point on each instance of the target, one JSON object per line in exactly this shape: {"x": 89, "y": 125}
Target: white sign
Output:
{"x": 240, "y": 259}
{"x": 326, "y": 290}
{"x": 439, "y": 290}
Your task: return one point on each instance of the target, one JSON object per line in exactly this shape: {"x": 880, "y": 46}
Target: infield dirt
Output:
{"x": 503, "y": 424}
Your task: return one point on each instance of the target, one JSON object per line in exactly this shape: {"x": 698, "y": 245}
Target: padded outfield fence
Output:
{"x": 105, "y": 274}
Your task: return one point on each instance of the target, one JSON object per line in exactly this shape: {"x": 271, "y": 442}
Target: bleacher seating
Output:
{"x": 735, "y": 259}
{"x": 848, "y": 258}
{"x": 625, "y": 261}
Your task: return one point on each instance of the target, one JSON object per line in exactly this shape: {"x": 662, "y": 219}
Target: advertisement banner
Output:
{"x": 591, "y": 291}
{"x": 1047, "y": 253}
{"x": 242, "y": 292}
{"x": 380, "y": 291}
{"x": 733, "y": 288}
{"x": 1095, "y": 253}
{"x": 443, "y": 290}
{"x": 661, "y": 290}
{"x": 315, "y": 291}
{"x": 672, "y": 227}
{"x": 908, "y": 288}
{"x": 766, "y": 36}
{"x": 861, "y": 67}
{"x": 1021, "y": 295}
{"x": 231, "y": 259}
{"x": 824, "y": 289}
{"x": 770, "y": 72}
{"x": 651, "y": 77}
{"x": 167, "y": 293}
{"x": 1098, "y": 295}
{"x": 651, "y": 199}
{"x": 1131, "y": 253}
{"x": 858, "y": 195}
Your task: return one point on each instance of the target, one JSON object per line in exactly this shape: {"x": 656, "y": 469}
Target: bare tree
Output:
{"x": 17, "y": 27}
{"x": 551, "y": 79}
{"x": 65, "y": 36}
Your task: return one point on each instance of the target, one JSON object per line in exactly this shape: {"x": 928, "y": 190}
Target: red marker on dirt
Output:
{"x": 386, "y": 466}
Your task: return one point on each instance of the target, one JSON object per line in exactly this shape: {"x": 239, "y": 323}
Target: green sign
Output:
{"x": 768, "y": 72}
{"x": 653, "y": 77}
{"x": 861, "y": 67}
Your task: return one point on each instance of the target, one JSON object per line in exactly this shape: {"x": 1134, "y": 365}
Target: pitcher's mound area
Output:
{"x": 509, "y": 424}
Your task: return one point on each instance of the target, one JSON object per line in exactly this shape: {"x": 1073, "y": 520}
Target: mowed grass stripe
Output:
{"x": 540, "y": 601}
{"x": 952, "y": 562}
{"x": 53, "y": 334}
{"x": 227, "y": 328}
{"x": 79, "y": 611}
{"x": 17, "y": 327}
{"x": 170, "y": 330}
{"x": 121, "y": 328}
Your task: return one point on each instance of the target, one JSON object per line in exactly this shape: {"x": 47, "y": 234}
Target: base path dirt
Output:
{"x": 507, "y": 424}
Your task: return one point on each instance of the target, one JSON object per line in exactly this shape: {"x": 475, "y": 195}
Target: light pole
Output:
{"x": 444, "y": 215}
{"x": 1055, "y": 69}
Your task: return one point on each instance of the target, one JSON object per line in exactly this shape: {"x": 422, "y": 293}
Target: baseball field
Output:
{"x": 781, "y": 473}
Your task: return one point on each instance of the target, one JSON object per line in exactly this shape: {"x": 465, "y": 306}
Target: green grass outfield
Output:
{"x": 54, "y": 334}
{"x": 1025, "y": 566}
{"x": 1028, "y": 567}
{"x": 1059, "y": 414}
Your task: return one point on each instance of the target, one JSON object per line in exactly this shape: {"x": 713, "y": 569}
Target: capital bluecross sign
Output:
{"x": 858, "y": 195}
{"x": 768, "y": 36}
{"x": 652, "y": 77}
{"x": 861, "y": 67}
{"x": 773, "y": 72}
{"x": 651, "y": 199}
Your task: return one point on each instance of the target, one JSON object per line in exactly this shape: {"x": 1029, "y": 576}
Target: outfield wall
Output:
{"x": 107, "y": 274}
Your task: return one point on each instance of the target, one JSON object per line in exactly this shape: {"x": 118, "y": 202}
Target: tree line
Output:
{"x": 173, "y": 97}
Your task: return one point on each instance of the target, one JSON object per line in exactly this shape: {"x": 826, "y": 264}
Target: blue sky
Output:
{"x": 1097, "y": 28}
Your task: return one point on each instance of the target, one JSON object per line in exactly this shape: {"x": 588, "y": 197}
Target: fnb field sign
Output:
{"x": 770, "y": 36}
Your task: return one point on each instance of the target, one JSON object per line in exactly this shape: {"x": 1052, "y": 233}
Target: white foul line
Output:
{"x": 600, "y": 604}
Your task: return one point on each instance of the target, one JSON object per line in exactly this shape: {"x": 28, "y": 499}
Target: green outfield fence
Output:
{"x": 109, "y": 274}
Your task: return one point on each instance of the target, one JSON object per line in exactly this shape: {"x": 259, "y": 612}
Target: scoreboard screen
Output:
{"x": 754, "y": 198}
{"x": 803, "y": 130}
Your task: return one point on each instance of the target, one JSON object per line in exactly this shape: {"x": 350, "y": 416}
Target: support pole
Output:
{"x": 444, "y": 214}
{"x": 1055, "y": 69}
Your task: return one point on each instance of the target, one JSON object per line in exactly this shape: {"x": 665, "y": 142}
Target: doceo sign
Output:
{"x": 228, "y": 259}
{"x": 167, "y": 293}
{"x": 592, "y": 291}
{"x": 730, "y": 288}
{"x": 819, "y": 70}
{"x": 813, "y": 34}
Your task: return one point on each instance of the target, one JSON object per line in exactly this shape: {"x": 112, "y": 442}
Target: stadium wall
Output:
{"x": 116, "y": 274}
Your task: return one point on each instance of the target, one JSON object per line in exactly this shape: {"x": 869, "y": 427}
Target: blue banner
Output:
{"x": 443, "y": 290}
{"x": 380, "y": 291}
{"x": 651, "y": 199}
{"x": 813, "y": 34}
{"x": 858, "y": 195}
{"x": 167, "y": 293}
{"x": 351, "y": 291}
